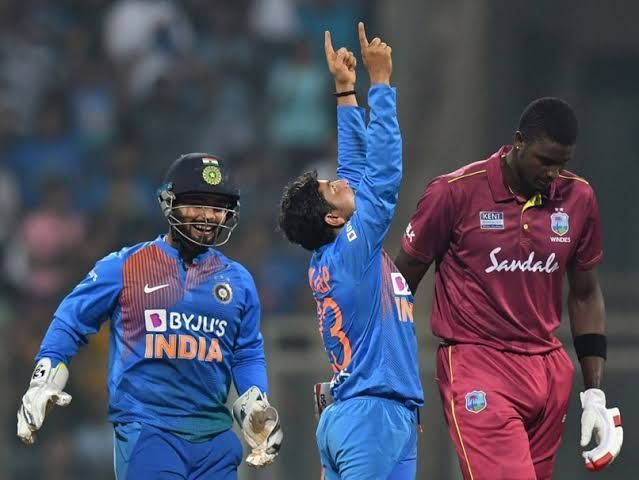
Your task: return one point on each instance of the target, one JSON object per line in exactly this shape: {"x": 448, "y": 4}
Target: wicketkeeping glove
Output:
{"x": 605, "y": 423}
{"x": 260, "y": 425}
{"x": 44, "y": 391}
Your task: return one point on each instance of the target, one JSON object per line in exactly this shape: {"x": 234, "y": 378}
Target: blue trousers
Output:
{"x": 143, "y": 452}
{"x": 368, "y": 438}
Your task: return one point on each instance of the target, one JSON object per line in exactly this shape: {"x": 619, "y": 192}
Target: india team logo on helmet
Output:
{"x": 212, "y": 175}
{"x": 476, "y": 401}
{"x": 559, "y": 222}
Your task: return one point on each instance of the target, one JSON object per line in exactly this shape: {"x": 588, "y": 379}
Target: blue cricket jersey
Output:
{"x": 178, "y": 336}
{"x": 364, "y": 306}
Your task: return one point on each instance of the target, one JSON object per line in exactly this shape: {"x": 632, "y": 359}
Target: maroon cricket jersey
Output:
{"x": 501, "y": 259}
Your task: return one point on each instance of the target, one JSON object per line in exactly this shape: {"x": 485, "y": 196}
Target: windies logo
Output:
{"x": 559, "y": 222}
{"x": 476, "y": 401}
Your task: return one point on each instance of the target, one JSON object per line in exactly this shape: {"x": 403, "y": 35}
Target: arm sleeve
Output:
{"x": 429, "y": 232}
{"x": 82, "y": 312}
{"x": 376, "y": 197}
{"x": 249, "y": 364}
{"x": 589, "y": 251}
{"x": 351, "y": 144}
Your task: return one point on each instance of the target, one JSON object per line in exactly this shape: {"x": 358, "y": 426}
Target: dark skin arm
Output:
{"x": 587, "y": 315}
{"x": 412, "y": 269}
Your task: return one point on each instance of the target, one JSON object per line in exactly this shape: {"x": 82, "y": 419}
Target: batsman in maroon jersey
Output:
{"x": 503, "y": 233}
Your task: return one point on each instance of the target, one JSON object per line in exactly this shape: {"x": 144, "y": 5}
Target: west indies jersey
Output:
{"x": 364, "y": 306}
{"x": 179, "y": 335}
{"x": 500, "y": 259}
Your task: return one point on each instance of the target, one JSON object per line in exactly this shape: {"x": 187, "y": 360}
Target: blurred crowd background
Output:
{"x": 97, "y": 98}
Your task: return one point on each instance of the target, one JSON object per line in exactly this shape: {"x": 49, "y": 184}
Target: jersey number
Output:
{"x": 336, "y": 331}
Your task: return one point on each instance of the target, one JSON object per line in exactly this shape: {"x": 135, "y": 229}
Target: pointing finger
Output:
{"x": 363, "y": 42}
{"x": 328, "y": 45}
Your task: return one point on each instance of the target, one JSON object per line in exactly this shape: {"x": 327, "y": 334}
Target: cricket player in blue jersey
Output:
{"x": 185, "y": 322}
{"x": 364, "y": 306}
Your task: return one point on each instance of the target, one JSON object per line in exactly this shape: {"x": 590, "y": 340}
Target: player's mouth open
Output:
{"x": 204, "y": 229}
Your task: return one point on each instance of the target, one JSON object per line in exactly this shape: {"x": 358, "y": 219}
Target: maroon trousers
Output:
{"x": 505, "y": 411}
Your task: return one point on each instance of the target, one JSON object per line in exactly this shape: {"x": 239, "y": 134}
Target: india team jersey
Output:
{"x": 501, "y": 260}
{"x": 178, "y": 336}
{"x": 364, "y": 306}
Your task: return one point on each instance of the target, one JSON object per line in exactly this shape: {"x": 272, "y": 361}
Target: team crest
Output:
{"x": 476, "y": 401}
{"x": 559, "y": 222}
{"x": 223, "y": 293}
{"x": 212, "y": 175}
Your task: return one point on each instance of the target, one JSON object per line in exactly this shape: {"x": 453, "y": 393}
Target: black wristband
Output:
{"x": 345, "y": 94}
{"x": 590, "y": 345}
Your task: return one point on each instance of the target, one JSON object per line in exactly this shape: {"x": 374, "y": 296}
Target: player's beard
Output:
{"x": 187, "y": 249}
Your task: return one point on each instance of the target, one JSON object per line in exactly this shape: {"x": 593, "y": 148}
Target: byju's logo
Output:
{"x": 155, "y": 320}
{"x": 400, "y": 287}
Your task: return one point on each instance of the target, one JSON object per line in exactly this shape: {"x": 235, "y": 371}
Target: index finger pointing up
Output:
{"x": 328, "y": 45}
{"x": 363, "y": 42}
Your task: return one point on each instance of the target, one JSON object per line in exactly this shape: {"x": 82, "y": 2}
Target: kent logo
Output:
{"x": 491, "y": 220}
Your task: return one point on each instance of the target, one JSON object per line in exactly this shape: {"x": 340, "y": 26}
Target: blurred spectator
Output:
{"x": 10, "y": 196}
{"x": 229, "y": 127}
{"x": 28, "y": 59}
{"x": 338, "y": 16}
{"x": 165, "y": 122}
{"x": 93, "y": 106}
{"x": 50, "y": 239}
{"x": 129, "y": 212}
{"x": 274, "y": 21}
{"x": 131, "y": 193}
{"x": 299, "y": 115}
{"x": 145, "y": 39}
{"x": 52, "y": 148}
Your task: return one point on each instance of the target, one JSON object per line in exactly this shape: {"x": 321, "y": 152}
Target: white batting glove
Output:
{"x": 44, "y": 391}
{"x": 605, "y": 424}
{"x": 323, "y": 398}
{"x": 260, "y": 426}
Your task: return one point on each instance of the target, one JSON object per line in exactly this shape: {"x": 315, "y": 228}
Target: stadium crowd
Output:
{"x": 96, "y": 99}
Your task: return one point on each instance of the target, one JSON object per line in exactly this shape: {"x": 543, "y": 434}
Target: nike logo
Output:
{"x": 148, "y": 289}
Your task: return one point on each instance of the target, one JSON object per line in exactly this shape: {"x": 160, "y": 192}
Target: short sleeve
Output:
{"x": 428, "y": 234}
{"x": 589, "y": 251}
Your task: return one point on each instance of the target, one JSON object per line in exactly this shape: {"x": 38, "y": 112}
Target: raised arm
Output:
{"x": 376, "y": 199}
{"x": 351, "y": 126}
{"x": 376, "y": 194}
